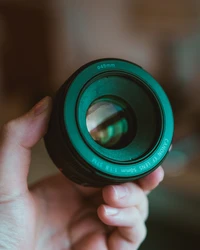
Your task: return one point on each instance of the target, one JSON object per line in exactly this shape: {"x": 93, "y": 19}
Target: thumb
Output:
{"x": 17, "y": 137}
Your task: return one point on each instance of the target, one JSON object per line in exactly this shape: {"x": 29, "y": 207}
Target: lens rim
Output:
{"x": 104, "y": 167}
{"x": 101, "y": 86}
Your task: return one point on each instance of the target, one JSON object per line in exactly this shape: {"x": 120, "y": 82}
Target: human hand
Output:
{"x": 56, "y": 214}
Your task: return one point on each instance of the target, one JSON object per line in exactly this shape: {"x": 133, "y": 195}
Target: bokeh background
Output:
{"x": 43, "y": 41}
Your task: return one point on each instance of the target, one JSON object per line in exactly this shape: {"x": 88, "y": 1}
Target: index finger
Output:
{"x": 151, "y": 181}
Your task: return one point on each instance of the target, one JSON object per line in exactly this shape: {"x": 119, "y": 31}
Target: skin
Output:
{"x": 56, "y": 214}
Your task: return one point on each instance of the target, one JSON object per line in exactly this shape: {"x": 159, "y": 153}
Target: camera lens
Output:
{"x": 111, "y": 123}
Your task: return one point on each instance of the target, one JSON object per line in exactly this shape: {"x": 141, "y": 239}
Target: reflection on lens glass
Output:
{"x": 108, "y": 123}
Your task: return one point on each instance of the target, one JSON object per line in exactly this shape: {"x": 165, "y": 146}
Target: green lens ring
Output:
{"x": 102, "y": 165}
{"x": 118, "y": 86}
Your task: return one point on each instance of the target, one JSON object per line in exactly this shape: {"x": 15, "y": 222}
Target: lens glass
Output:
{"x": 109, "y": 121}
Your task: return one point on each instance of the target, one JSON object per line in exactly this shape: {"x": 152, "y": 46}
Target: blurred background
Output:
{"x": 43, "y": 41}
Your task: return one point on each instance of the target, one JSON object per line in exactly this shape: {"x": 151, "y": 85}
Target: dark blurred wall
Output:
{"x": 25, "y": 64}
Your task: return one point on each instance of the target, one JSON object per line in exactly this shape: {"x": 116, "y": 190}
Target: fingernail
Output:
{"x": 41, "y": 106}
{"x": 111, "y": 210}
{"x": 120, "y": 191}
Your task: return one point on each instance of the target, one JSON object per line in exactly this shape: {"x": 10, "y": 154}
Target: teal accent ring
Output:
{"x": 111, "y": 123}
{"x": 71, "y": 111}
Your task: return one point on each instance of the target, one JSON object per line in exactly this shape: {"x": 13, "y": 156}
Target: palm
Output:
{"x": 54, "y": 215}
{"x": 67, "y": 219}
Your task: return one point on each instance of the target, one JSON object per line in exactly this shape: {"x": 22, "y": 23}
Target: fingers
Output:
{"x": 131, "y": 229}
{"x": 152, "y": 180}
{"x": 126, "y": 195}
{"x": 127, "y": 209}
{"x": 17, "y": 137}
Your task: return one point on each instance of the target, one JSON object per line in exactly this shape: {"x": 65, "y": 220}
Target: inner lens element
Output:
{"x": 111, "y": 123}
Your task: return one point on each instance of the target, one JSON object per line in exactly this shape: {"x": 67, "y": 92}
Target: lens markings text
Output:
{"x": 106, "y": 65}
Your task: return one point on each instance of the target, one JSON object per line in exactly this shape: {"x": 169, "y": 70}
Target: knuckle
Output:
{"x": 8, "y": 128}
{"x": 136, "y": 212}
{"x": 136, "y": 216}
{"x": 144, "y": 208}
{"x": 143, "y": 233}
